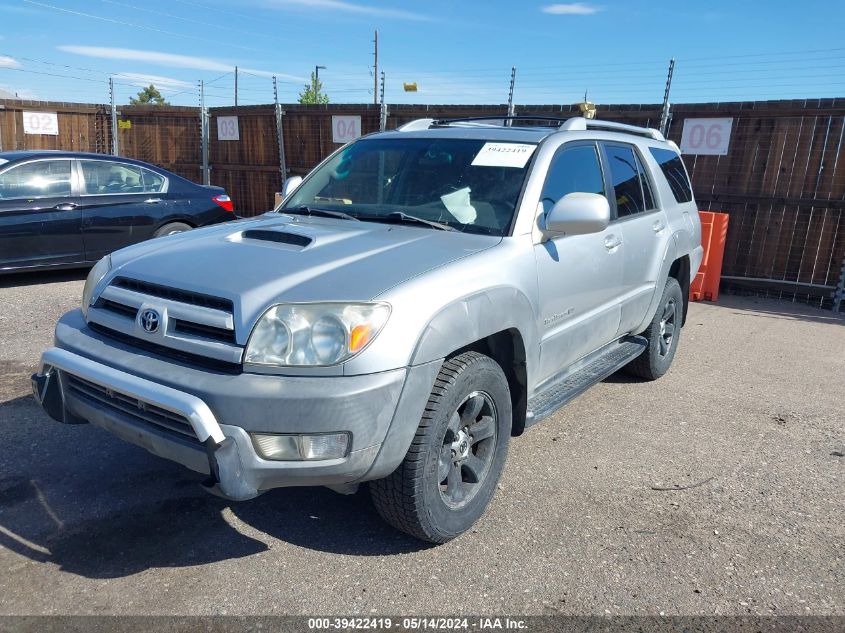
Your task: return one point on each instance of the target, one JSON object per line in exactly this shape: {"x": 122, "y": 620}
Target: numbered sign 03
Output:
{"x": 706, "y": 136}
{"x": 41, "y": 123}
{"x": 345, "y": 128}
{"x": 227, "y": 128}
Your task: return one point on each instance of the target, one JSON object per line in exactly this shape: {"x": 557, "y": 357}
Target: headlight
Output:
{"x": 100, "y": 270}
{"x": 314, "y": 334}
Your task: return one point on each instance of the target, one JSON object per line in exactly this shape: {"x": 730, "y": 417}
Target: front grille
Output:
{"x": 186, "y": 358}
{"x": 118, "y": 308}
{"x": 137, "y": 411}
{"x": 203, "y": 331}
{"x": 174, "y": 294}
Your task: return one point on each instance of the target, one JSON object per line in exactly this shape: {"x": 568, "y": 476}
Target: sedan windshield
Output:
{"x": 468, "y": 185}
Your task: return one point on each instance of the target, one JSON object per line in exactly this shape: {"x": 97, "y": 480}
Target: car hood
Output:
{"x": 279, "y": 258}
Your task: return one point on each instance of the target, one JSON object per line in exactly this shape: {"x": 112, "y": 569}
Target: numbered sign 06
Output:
{"x": 706, "y": 136}
{"x": 41, "y": 123}
{"x": 345, "y": 128}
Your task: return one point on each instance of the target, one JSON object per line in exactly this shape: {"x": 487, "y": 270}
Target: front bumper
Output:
{"x": 203, "y": 419}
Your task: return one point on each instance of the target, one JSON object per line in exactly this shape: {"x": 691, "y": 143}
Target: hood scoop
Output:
{"x": 277, "y": 237}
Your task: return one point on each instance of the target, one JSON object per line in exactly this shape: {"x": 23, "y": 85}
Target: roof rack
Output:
{"x": 570, "y": 124}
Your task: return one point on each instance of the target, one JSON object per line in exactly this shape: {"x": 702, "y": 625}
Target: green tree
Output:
{"x": 148, "y": 96}
{"x": 312, "y": 93}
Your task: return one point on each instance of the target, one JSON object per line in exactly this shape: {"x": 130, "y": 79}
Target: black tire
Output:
{"x": 418, "y": 498}
{"x": 663, "y": 334}
{"x": 170, "y": 229}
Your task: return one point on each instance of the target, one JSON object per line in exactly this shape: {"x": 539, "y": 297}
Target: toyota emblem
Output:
{"x": 150, "y": 320}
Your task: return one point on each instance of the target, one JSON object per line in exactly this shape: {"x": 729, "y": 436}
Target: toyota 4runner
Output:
{"x": 420, "y": 297}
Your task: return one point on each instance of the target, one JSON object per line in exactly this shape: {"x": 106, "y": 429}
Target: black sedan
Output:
{"x": 63, "y": 209}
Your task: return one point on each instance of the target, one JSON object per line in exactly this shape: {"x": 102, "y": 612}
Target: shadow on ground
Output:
{"x": 14, "y": 280}
{"x": 100, "y": 508}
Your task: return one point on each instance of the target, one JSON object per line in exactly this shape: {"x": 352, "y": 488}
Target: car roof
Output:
{"x": 476, "y": 132}
{"x": 26, "y": 154}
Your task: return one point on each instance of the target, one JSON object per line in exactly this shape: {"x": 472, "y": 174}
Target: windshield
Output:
{"x": 469, "y": 185}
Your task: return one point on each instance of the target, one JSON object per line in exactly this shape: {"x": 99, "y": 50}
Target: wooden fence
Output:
{"x": 782, "y": 180}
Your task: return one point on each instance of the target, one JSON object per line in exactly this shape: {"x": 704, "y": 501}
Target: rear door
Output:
{"x": 578, "y": 275}
{"x": 40, "y": 220}
{"x": 643, "y": 227}
{"x": 121, "y": 204}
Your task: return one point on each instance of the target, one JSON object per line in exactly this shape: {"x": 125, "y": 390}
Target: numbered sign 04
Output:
{"x": 706, "y": 136}
{"x": 345, "y": 128}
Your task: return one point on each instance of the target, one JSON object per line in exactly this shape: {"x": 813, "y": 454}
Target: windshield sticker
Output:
{"x": 458, "y": 204}
{"x": 504, "y": 155}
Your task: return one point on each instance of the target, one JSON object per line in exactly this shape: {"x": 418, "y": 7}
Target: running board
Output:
{"x": 570, "y": 385}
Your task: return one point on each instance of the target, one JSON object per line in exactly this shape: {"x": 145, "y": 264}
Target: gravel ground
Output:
{"x": 751, "y": 417}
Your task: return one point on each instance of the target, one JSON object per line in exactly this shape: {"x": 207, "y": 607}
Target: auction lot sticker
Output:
{"x": 504, "y": 155}
{"x": 41, "y": 123}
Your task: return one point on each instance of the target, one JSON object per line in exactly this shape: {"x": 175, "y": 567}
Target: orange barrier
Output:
{"x": 714, "y": 230}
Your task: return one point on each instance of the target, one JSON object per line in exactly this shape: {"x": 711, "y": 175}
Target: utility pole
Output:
{"x": 236, "y": 86}
{"x": 383, "y": 117}
{"x": 510, "y": 96}
{"x": 114, "y": 143}
{"x": 280, "y": 137}
{"x": 664, "y": 115}
{"x": 206, "y": 175}
{"x": 375, "y": 69}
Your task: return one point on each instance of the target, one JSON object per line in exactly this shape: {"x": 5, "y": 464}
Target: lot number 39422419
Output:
{"x": 706, "y": 136}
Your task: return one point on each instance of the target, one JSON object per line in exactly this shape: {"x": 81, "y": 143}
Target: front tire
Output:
{"x": 662, "y": 333}
{"x": 450, "y": 472}
{"x": 172, "y": 229}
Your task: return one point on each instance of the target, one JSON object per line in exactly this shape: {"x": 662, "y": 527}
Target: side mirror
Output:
{"x": 578, "y": 214}
{"x": 290, "y": 184}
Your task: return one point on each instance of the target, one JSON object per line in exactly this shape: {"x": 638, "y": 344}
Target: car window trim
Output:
{"x": 615, "y": 211}
{"x": 84, "y": 194}
{"x": 28, "y": 161}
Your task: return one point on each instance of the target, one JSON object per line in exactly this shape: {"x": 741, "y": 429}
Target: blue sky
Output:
{"x": 456, "y": 52}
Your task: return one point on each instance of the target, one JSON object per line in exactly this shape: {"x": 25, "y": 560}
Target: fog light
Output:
{"x": 301, "y": 447}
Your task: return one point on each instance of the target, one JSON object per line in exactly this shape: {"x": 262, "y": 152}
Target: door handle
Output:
{"x": 66, "y": 206}
{"x": 612, "y": 242}
{"x": 658, "y": 226}
{"x": 152, "y": 200}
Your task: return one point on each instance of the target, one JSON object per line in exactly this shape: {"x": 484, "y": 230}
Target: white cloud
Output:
{"x": 348, "y": 7}
{"x": 572, "y": 8}
{"x": 8, "y": 62}
{"x": 138, "y": 79}
{"x": 168, "y": 59}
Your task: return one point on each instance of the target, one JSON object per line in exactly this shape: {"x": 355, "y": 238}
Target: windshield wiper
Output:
{"x": 315, "y": 211}
{"x": 400, "y": 217}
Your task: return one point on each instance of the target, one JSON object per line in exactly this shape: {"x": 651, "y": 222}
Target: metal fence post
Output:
{"x": 114, "y": 143}
{"x": 382, "y": 126}
{"x": 839, "y": 295}
{"x": 511, "y": 110}
{"x": 665, "y": 115}
{"x": 280, "y": 135}
{"x": 206, "y": 174}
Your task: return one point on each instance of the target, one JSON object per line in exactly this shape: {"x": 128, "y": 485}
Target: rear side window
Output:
{"x": 153, "y": 182}
{"x": 573, "y": 169}
{"x": 105, "y": 177}
{"x": 625, "y": 175}
{"x": 673, "y": 168}
{"x": 38, "y": 179}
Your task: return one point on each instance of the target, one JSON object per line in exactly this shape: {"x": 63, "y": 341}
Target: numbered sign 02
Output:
{"x": 41, "y": 123}
{"x": 706, "y": 136}
{"x": 345, "y": 128}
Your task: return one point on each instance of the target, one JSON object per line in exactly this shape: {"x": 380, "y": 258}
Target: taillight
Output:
{"x": 224, "y": 201}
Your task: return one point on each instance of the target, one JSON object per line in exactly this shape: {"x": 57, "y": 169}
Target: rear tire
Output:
{"x": 172, "y": 229}
{"x": 450, "y": 472}
{"x": 663, "y": 334}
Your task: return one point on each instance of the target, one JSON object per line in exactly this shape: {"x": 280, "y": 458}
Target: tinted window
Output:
{"x": 104, "y": 177}
{"x": 573, "y": 169}
{"x": 673, "y": 168}
{"x": 647, "y": 194}
{"x": 153, "y": 182}
{"x": 39, "y": 179}
{"x": 626, "y": 180}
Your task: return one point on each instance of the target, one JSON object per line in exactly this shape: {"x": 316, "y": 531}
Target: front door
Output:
{"x": 579, "y": 275}
{"x": 40, "y": 222}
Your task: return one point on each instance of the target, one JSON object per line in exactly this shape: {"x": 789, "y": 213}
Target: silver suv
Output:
{"x": 422, "y": 296}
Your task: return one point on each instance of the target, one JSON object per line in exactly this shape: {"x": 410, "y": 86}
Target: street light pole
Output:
{"x": 317, "y": 70}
